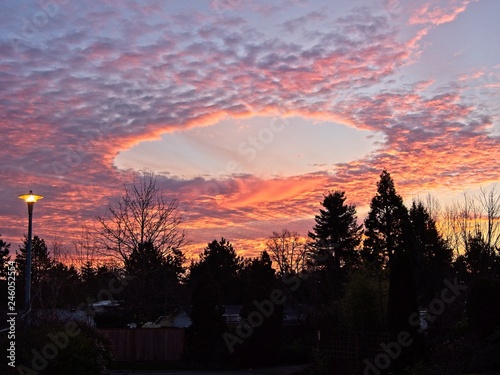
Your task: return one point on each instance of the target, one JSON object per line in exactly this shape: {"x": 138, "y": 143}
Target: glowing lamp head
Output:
{"x": 30, "y": 197}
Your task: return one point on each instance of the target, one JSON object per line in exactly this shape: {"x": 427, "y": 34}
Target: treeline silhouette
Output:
{"x": 432, "y": 285}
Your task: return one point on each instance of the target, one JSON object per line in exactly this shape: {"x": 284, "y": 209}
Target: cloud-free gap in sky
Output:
{"x": 265, "y": 146}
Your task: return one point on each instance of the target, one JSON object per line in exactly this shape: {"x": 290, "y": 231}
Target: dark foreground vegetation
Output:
{"x": 410, "y": 291}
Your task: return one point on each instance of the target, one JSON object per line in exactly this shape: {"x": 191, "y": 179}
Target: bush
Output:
{"x": 55, "y": 347}
{"x": 363, "y": 306}
{"x": 484, "y": 307}
{"x": 484, "y": 355}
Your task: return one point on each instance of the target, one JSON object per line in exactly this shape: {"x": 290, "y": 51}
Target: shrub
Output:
{"x": 55, "y": 347}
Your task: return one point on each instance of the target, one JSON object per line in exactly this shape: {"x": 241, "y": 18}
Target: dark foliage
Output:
{"x": 336, "y": 237}
{"x": 53, "y": 347}
{"x": 225, "y": 266}
{"x": 483, "y": 307}
{"x": 205, "y": 344}
{"x": 259, "y": 312}
{"x": 4, "y": 257}
{"x": 402, "y": 305}
{"x": 385, "y": 224}
{"x": 431, "y": 254}
{"x": 155, "y": 280}
{"x": 41, "y": 264}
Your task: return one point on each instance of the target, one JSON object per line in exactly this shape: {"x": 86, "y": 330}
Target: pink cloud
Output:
{"x": 63, "y": 122}
{"x": 437, "y": 15}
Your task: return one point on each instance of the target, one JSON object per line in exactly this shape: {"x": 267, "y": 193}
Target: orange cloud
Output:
{"x": 63, "y": 123}
{"x": 257, "y": 192}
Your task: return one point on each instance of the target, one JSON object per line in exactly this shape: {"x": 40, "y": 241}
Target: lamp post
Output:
{"x": 30, "y": 199}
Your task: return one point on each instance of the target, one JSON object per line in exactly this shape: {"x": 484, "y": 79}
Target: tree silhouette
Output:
{"x": 260, "y": 347}
{"x": 288, "y": 251}
{"x": 95, "y": 279}
{"x": 432, "y": 254}
{"x": 41, "y": 264}
{"x": 143, "y": 215}
{"x": 63, "y": 286}
{"x": 478, "y": 260}
{"x": 364, "y": 303}
{"x": 385, "y": 224}
{"x": 336, "y": 232}
{"x": 4, "y": 257}
{"x": 53, "y": 284}
{"x": 335, "y": 240}
{"x": 225, "y": 267}
{"x": 155, "y": 279}
{"x": 205, "y": 342}
{"x": 402, "y": 305}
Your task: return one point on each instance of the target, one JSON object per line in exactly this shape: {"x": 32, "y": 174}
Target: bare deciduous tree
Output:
{"x": 473, "y": 216}
{"x": 288, "y": 250}
{"x": 433, "y": 207}
{"x": 490, "y": 203}
{"x": 143, "y": 215}
{"x": 85, "y": 246}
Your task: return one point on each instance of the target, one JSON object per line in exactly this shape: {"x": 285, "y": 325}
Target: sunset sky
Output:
{"x": 249, "y": 111}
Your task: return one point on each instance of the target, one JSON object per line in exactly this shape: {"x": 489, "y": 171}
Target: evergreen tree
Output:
{"x": 478, "y": 260}
{"x": 4, "y": 260}
{"x": 335, "y": 240}
{"x": 41, "y": 264}
{"x": 260, "y": 280}
{"x": 336, "y": 233}
{"x": 432, "y": 255}
{"x": 155, "y": 278}
{"x": 225, "y": 267}
{"x": 63, "y": 286}
{"x": 364, "y": 303}
{"x": 4, "y": 257}
{"x": 402, "y": 305}
{"x": 98, "y": 279}
{"x": 89, "y": 280}
{"x": 94, "y": 278}
{"x": 386, "y": 225}
{"x": 174, "y": 264}
{"x": 205, "y": 342}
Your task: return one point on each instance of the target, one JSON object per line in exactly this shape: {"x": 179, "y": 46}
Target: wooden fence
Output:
{"x": 353, "y": 347}
{"x": 147, "y": 344}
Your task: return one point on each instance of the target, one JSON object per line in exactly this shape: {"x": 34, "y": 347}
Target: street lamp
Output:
{"x": 30, "y": 199}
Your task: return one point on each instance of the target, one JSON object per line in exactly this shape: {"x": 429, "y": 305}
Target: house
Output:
{"x": 67, "y": 315}
{"x": 232, "y": 314}
{"x": 180, "y": 317}
{"x": 105, "y": 306}
{"x": 295, "y": 315}
{"x": 177, "y": 317}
